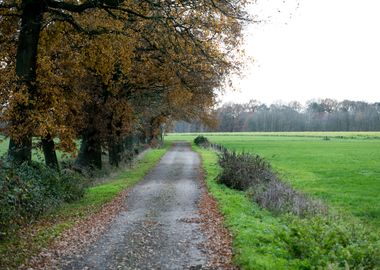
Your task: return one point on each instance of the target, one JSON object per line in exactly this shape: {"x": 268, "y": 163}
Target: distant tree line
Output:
{"x": 315, "y": 115}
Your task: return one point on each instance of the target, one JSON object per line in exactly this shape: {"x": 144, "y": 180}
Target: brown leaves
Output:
{"x": 80, "y": 236}
{"x": 219, "y": 240}
{"x": 153, "y": 59}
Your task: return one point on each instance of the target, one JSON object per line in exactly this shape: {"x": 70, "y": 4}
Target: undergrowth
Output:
{"x": 30, "y": 189}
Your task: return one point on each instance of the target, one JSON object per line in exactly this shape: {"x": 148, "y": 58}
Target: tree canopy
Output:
{"x": 102, "y": 70}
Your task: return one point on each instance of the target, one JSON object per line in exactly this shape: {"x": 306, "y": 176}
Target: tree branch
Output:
{"x": 7, "y": 14}
{"x": 64, "y": 17}
{"x": 77, "y": 8}
{"x": 8, "y": 6}
{"x": 130, "y": 11}
{"x": 89, "y": 4}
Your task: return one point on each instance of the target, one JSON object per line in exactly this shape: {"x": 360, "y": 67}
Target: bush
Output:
{"x": 201, "y": 141}
{"x": 279, "y": 197}
{"x": 29, "y": 190}
{"x": 247, "y": 172}
{"x": 72, "y": 186}
{"x": 331, "y": 243}
{"x": 241, "y": 171}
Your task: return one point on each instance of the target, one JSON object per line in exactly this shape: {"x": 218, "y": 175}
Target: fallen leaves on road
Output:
{"x": 218, "y": 239}
{"x": 80, "y": 236}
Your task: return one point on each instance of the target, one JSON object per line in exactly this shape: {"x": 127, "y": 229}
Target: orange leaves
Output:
{"x": 105, "y": 53}
{"x": 121, "y": 115}
{"x": 179, "y": 97}
{"x": 121, "y": 66}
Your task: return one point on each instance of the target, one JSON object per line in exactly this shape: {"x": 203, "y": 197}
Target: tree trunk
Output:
{"x": 129, "y": 142}
{"x": 20, "y": 151}
{"x": 49, "y": 152}
{"x": 115, "y": 152}
{"x": 90, "y": 153}
{"x": 26, "y": 61}
{"x": 151, "y": 131}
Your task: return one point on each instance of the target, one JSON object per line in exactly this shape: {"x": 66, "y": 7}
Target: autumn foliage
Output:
{"x": 103, "y": 71}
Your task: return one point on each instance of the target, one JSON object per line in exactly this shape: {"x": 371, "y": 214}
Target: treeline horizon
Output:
{"x": 315, "y": 115}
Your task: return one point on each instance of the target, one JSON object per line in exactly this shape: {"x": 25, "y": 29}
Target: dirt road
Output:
{"x": 155, "y": 230}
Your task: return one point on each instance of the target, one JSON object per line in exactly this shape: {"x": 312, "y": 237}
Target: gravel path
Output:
{"x": 156, "y": 228}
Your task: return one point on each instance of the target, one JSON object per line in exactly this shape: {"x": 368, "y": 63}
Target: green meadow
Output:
{"x": 3, "y": 145}
{"x": 37, "y": 153}
{"x": 341, "y": 168}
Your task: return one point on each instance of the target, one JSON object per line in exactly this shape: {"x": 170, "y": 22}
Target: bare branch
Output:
{"x": 64, "y": 17}
{"x": 90, "y": 4}
{"x": 129, "y": 11}
{"x": 77, "y": 8}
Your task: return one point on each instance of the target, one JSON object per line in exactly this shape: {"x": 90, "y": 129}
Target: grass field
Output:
{"x": 343, "y": 170}
{"x": 3, "y": 145}
{"x": 37, "y": 153}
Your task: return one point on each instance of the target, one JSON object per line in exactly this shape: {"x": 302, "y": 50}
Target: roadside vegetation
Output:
{"x": 30, "y": 190}
{"x": 45, "y": 217}
{"x": 270, "y": 231}
{"x": 343, "y": 172}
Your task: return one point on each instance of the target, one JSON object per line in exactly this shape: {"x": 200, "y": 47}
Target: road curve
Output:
{"x": 155, "y": 229}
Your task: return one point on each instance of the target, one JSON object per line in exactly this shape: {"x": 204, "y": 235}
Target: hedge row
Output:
{"x": 31, "y": 189}
{"x": 252, "y": 173}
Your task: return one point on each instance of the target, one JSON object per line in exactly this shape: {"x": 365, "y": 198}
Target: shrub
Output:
{"x": 279, "y": 197}
{"x": 326, "y": 242}
{"x": 247, "y": 172}
{"x": 241, "y": 171}
{"x": 201, "y": 141}
{"x": 72, "y": 185}
{"x": 29, "y": 190}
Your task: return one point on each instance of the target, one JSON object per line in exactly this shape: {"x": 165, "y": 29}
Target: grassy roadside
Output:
{"x": 253, "y": 229}
{"x": 266, "y": 241}
{"x": 37, "y": 236}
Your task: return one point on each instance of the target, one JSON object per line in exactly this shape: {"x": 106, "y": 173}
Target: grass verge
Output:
{"x": 32, "y": 239}
{"x": 262, "y": 240}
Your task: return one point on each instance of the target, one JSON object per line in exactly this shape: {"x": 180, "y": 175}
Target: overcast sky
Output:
{"x": 312, "y": 49}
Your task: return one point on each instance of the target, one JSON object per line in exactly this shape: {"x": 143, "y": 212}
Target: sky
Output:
{"x": 309, "y": 49}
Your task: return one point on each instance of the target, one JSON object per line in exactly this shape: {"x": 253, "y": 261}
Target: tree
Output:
{"x": 211, "y": 29}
